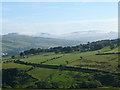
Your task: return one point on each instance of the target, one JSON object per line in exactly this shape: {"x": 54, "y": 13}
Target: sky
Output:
{"x": 58, "y": 17}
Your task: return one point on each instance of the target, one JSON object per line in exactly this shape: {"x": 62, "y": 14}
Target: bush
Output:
{"x": 90, "y": 84}
{"x": 108, "y": 79}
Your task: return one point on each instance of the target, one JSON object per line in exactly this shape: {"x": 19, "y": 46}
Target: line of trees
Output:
{"x": 81, "y": 48}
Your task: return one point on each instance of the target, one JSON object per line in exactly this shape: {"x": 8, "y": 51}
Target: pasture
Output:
{"x": 11, "y": 65}
{"x": 41, "y": 73}
{"x": 61, "y": 78}
{"x": 77, "y": 59}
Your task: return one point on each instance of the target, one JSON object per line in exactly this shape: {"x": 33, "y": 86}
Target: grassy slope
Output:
{"x": 16, "y": 43}
{"x": 114, "y": 50}
{"x": 65, "y": 78}
{"x": 41, "y": 73}
{"x": 39, "y": 58}
{"x": 14, "y": 65}
{"x": 89, "y": 59}
{"x": 62, "y": 61}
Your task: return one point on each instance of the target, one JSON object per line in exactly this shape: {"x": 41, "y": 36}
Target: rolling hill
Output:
{"x": 74, "y": 69}
{"x": 15, "y": 43}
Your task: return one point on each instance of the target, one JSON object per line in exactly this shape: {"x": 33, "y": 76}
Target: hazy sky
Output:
{"x": 59, "y": 17}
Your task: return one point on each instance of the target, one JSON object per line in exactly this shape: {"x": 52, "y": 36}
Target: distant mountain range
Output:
{"x": 13, "y": 43}
{"x": 89, "y": 36}
{"x": 83, "y": 36}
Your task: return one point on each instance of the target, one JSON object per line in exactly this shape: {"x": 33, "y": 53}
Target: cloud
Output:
{"x": 58, "y": 28}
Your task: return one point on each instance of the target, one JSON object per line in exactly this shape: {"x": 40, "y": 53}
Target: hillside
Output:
{"x": 62, "y": 70}
{"x": 15, "y": 43}
{"x": 82, "y": 66}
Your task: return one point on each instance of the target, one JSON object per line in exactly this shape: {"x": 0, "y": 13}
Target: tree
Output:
{"x": 81, "y": 57}
{"x": 32, "y": 51}
{"x": 12, "y": 56}
{"x": 90, "y": 84}
{"x": 111, "y": 46}
{"x": 43, "y": 84}
{"x": 67, "y": 62}
{"x": 56, "y": 52}
{"x": 22, "y": 54}
{"x": 15, "y": 78}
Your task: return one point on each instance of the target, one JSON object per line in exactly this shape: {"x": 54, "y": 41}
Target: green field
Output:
{"x": 114, "y": 50}
{"x": 77, "y": 59}
{"x": 39, "y": 58}
{"x": 15, "y": 65}
{"x": 41, "y": 73}
{"x": 65, "y": 78}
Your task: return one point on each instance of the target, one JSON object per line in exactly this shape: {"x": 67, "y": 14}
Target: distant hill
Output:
{"x": 83, "y": 36}
{"x": 90, "y": 36}
{"x": 15, "y": 43}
